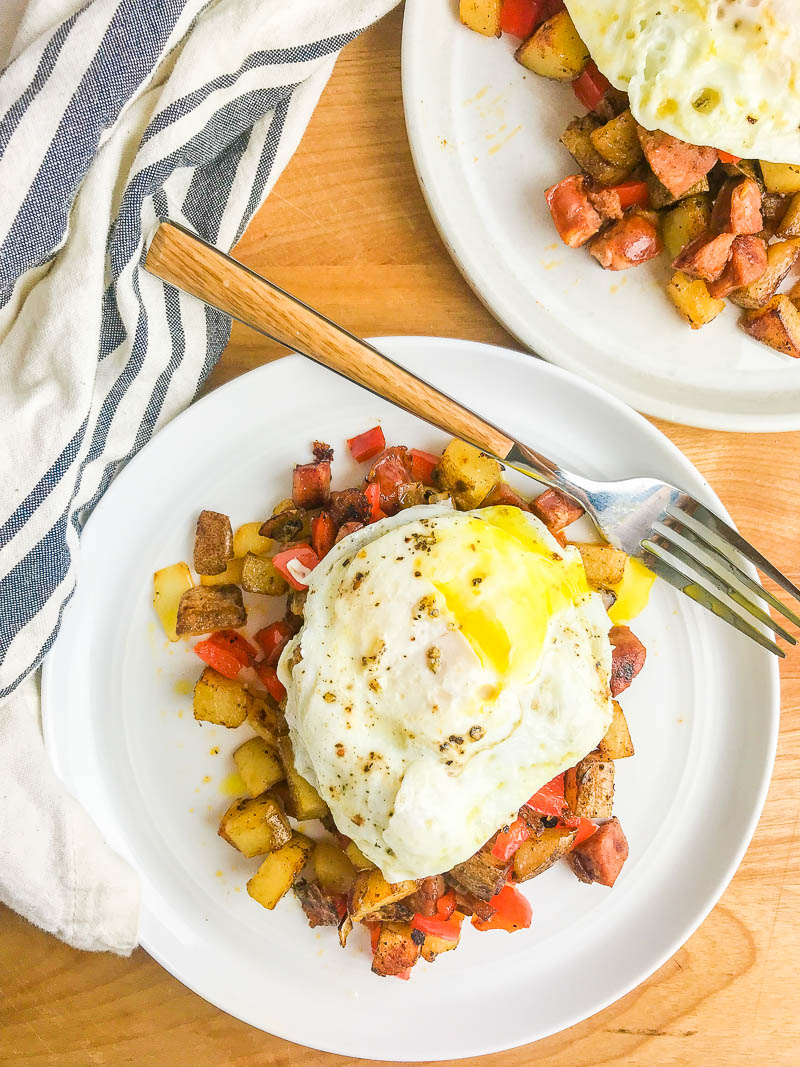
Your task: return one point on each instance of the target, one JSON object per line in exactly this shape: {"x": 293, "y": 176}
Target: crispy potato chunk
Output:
{"x": 306, "y": 803}
{"x": 604, "y": 565}
{"x": 781, "y": 258}
{"x": 781, "y": 177}
{"x": 357, "y": 858}
{"x": 396, "y": 950}
{"x": 589, "y": 788}
{"x": 220, "y": 700}
{"x": 169, "y": 585}
{"x": 555, "y": 50}
{"x": 258, "y": 766}
{"x": 264, "y": 717}
{"x": 688, "y": 219}
{"x": 255, "y": 827}
{"x": 232, "y": 575}
{"x": 259, "y": 575}
{"x": 693, "y": 300}
{"x": 467, "y": 474}
{"x": 213, "y": 542}
{"x": 432, "y": 947}
{"x": 482, "y": 16}
{"x": 537, "y": 854}
{"x": 334, "y": 871}
{"x": 275, "y": 876}
{"x": 617, "y": 141}
{"x": 203, "y": 609}
{"x": 371, "y": 891}
{"x": 617, "y": 742}
{"x": 248, "y": 539}
{"x": 790, "y": 223}
{"x": 577, "y": 139}
{"x": 776, "y": 325}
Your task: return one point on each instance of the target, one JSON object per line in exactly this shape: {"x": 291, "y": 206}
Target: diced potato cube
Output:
{"x": 776, "y": 325}
{"x": 202, "y": 609}
{"x": 781, "y": 257}
{"x": 334, "y": 871}
{"x": 617, "y": 742}
{"x": 371, "y": 891}
{"x": 258, "y": 766}
{"x": 604, "y": 565}
{"x": 577, "y": 139}
{"x": 220, "y": 700}
{"x": 790, "y": 223}
{"x": 396, "y": 949}
{"x": 275, "y": 876}
{"x": 213, "y": 542}
{"x": 537, "y": 854}
{"x": 255, "y": 827}
{"x": 232, "y": 575}
{"x": 467, "y": 474}
{"x": 357, "y": 857}
{"x": 688, "y": 219}
{"x": 482, "y": 16}
{"x": 306, "y": 801}
{"x": 259, "y": 575}
{"x": 555, "y": 50}
{"x": 781, "y": 177}
{"x": 169, "y": 585}
{"x": 434, "y": 946}
{"x": 589, "y": 788}
{"x": 248, "y": 539}
{"x": 265, "y": 718}
{"x": 617, "y": 141}
{"x": 692, "y": 298}
{"x": 661, "y": 197}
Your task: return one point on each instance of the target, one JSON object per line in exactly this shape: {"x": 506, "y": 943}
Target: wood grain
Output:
{"x": 347, "y": 230}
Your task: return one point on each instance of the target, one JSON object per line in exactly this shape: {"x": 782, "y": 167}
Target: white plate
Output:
{"x": 703, "y": 715}
{"x": 484, "y": 135}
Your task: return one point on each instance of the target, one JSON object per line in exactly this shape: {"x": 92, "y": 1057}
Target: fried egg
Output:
{"x": 449, "y": 665}
{"x": 724, "y": 73}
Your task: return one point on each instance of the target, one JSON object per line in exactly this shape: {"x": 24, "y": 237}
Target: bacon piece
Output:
{"x": 706, "y": 256}
{"x": 319, "y": 909}
{"x": 627, "y": 659}
{"x": 601, "y": 857}
{"x": 349, "y": 505}
{"x": 747, "y": 263}
{"x": 629, "y": 242}
{"x": 737, "y": 208}
{"x": 573, "y": 214}
{"x": 504, "y": 494}
{"x": 423, "y": 902}
{"x": 676, "y": 164}
{"x": 556, "y": 510}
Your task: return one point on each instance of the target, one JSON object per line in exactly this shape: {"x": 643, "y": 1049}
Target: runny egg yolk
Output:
{"x": 632, "y": 592}
{"x": 502, "y": 584}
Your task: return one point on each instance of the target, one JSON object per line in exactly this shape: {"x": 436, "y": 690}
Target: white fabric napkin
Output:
{"x": 113, "y": 114}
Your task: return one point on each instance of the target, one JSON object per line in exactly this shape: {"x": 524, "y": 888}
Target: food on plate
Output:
{"x": 690, "y": 142}
{"x": 432, "y": 721}
{"x": 213, "y": 542}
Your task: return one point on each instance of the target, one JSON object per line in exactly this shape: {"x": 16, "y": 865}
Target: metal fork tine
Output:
{"x": 731, "y": 537}
{"x": 724, "y": 563}
{"x": 657, "y": 561}
{"x": 691, "y": 562}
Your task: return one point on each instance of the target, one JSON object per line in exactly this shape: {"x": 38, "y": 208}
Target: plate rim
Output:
{"x": 50, "y": 718}
{"x": 423, "y": 156}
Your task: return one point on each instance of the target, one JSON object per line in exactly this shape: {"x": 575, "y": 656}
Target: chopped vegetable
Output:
{"x": 550, "y": 798}
{"x": 520, "y": 17}
{"x": 446, "y": 905}
{"x": 591, "y": 86}
{"x": 295, "y": 564}
{"x": 422, "y": 465}
{"x": 323, "y": 533}
{"x": 512, "y": 912}
{"x": 227, "y": 652}
{"x": 449, "y": 929}
{"x": 271, "y": 681}
{"x": 367, "y": 444}
{"x": 373, "y": 495}
{"x": 508, "y": 841}
{"x": 632, "y": 193}
{"x": 169, "y": 585}
{"x": 273, "y": 639}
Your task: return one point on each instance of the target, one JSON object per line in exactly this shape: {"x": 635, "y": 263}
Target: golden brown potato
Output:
{"x": 617, "y": 742}
{"x": 555, "y": 50}
{"x": 248, "y": 539}
{"x": 589, "y": 788}
{"x": 693, "y": 300}
{"x": 482, "y": 16}
{"x": 264, "y": 717}
{"x": 789, "y": 225}
{"x": 306, "y": 803}
{"x": 537, "y": 854}
{"x": 781, "y": 257}
{"x": 357, "y": 858}
{"x": 275, "y": 876}
{"x": 604, "y": 565}
{"x": 794, "y": 295}
{"x": 661, "y": 197}
{"x": 169, "y": 585}
{"x": 371, "y": 891}
{"x": 232, "y": 575}
{"x": 396, "y": 950}
{"x": 203, "y": 609}
{"x": 781, "y": 177}
{"x": 617, "y": 141}
{"x": 255, "y": 827}
{"x": 577, "y": 139}
{"x": 776, "y": 325}
{"x": 258, "y": 766}
{"x": 467, "y": 474}
{"x": 688, "y": 219}
{"x": 220, "y": 700}
{"x": 259, "y": 575}
{"x": 333, "y": 870}
{"x": 432, "y": 947}
{"x": 213, "y": 542}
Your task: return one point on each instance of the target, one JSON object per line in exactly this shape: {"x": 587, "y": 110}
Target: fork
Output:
{"x": 673, "y": 534}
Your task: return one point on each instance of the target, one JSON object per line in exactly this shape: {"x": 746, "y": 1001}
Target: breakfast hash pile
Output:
{"x": 353, "y": 870}
{"x": 729, "y": 226}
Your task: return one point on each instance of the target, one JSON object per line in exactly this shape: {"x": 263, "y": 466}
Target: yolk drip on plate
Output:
{"x": 632, "y": 592}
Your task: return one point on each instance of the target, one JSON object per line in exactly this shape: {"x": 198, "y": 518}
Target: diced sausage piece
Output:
{"x": 424, "y": 900}
{"x": 747, "y": 263}
{"x": 737, "y": 208}
{"x": 627, "y": 659}
{"x": 468, "y": 904}
{"x": 556, "y": 510}
{"x": 392, "y": 472}
{"x": 348, "y": 528}
{"x": 606, "y": 203}
{"x": 573, "y": 214}
{"x": 629, "y": 242}
{"x": 706, "y": 256}
{"x": 600, "y": 858}
{"x": 319, "y": 909}
{"x": 349, "y": 505}
{"x": 676, "y": 164}
{"x": 504, "y": 494}
{"x": 311, "y": 482}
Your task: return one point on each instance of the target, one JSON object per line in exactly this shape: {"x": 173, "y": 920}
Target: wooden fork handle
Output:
{"x": 189, "y": 263}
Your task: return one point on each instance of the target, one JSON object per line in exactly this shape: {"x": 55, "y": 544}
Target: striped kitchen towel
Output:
{"x": 113, "y": 114}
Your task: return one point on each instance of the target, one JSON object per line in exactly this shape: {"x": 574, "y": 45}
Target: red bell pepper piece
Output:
{"x": 373, "y": 495}
{"x": 374, "y": 934}
{"x": 366, "y": 445}
{"x": 520, "y": 17}
{"x": 550, "y": 798}
{"x": 323, "y": 533}
{"x": 271, "y": 681}
{"x": 726, "y": 157}
{"x": 446, "y": 904}
{"x": 508, "y": 841}
{"x": 447, "y": 929}
{"x": 585, "y": 828}
{"x": 339, "y": 901}
{"x": 512, "y": 912}
{"x": 422, "y": 464}
{"x": 306, "y": 558}
{"x": 273, "y": 639}
{"x": 632, "y": 193}
{"x": 227, "y": 652}
{"x": 591, "y": 86}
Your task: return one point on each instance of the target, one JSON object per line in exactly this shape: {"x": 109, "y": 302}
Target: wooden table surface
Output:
{"x": 346, "y": 229}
